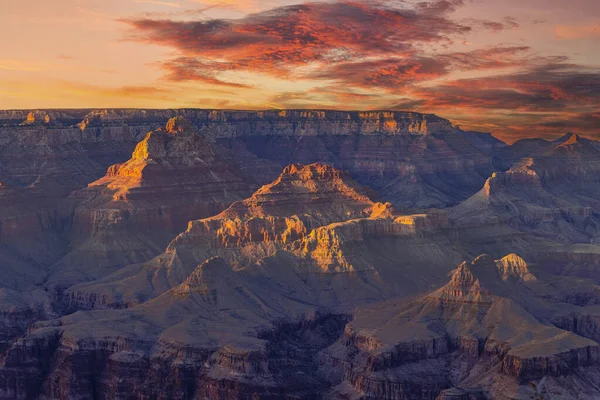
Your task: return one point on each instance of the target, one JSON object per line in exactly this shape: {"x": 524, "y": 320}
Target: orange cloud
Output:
{"x": 16, "y": 65}
{"x": 160, "y": 3}
{"x": 354, "y": 54}
{"x": 543, "y": 99}
{"x": 297, "y": 35}
{"x": 359, "y": 43}
{"x": 572, "y": 32}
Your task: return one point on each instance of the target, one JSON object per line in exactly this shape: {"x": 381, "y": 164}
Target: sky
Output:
{"x": 515, "y": 68}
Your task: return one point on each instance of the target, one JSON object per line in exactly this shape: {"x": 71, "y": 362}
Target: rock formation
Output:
{"x": 203, "y": 254}
{"x": 414, "y": 160}
{"x": 313, "y": 219}
{"x": 484, "y": 330}
{"x": 550, "y": 194}
{"x": 130, "y": 215}
{"x": 224, "y": 332}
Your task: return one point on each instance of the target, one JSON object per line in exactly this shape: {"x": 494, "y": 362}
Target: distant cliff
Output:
{"x": 242, "y": 123}
{"x": 414, "y": 160}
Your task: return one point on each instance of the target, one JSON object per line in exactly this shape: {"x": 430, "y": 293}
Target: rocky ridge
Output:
{"x": 486, "y": 325}
{"x": 312, "y": 218}
{"x": 174, "y": 175}
{"x": 550, "y": 194}
{"x": 255, "y": 296}
{"x": 372, "y": 146}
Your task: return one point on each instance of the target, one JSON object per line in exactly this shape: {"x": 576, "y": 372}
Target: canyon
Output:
{"x": 294, "y": 254}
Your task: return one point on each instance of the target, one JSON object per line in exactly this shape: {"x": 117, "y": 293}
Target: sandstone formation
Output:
{"x": 204, "y": 254}
{"x": 484, "y": 330}
{"x": 314, "y": 220}
{"x": 227, "y": 333}
{"x": 414, "y": 160}
{"x": 551, "y": 194}
{"x": 174, "y": 175}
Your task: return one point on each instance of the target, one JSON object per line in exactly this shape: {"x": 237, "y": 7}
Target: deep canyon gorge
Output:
{"x": 294, "y": 254}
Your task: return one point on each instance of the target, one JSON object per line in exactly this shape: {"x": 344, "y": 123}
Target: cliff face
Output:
{"x": 239, "y": 123}
{"x": 457, "y": 335}
{"x": 63, "y": 157}
{"x": 141, "y": 257}
{"x": 391, "y": 151}
{"x": 314, "y": 220}
{"x": 44, "y": 156}
{"x": 303, "y": 197}
{"x": 282, "y": 367}
{"x": 300, "y": 200}
{"x": 582, "y": 260}
{"x": 408, "y": 170}
{"x": 552, "y": 193}
{"x": 130, "y": 215}
{"x": 411, "y": 159}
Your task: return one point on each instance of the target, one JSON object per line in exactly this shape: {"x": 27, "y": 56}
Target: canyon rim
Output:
{"x": 297, "y": 200}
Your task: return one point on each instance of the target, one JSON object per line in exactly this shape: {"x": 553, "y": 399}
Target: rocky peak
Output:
{"x": 310, "y": 195}
{"x": 206, "y": 277}
{"x": 178, "y": 142}
{"x": 575, "y": 140}
{"x": 37, "y": 117}
{"x": 179, "y": 124}
{"x": 175, "y": 159}
{"x": 316, "y": 179}
{"x": 512, "y": 267}
{"x": 574, "y": 145}
{"x": 301, "y": 199}
{"x": 463, "y": 276}
{"x": 484, "y": 277}
{"x": 466, "y": 285}
{"x": 570, "y": 138}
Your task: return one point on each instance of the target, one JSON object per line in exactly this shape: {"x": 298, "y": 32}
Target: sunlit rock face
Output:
{"x": 302, "y": 198}
{"x": 412, "y": 159}
{"x": 130, "y": 215}
{"x": 312, "y": 221}
{"x": 201, "y": 254}
{"x": 49, "y": 149}
{"x": 49, "y": 154}
{"x": 214, "y": 298}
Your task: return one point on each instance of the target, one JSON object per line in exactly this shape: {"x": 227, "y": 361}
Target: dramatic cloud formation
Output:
{"x": 280, "y": 40}
{"x": 366, "y": 53}
{"x": 503, "y": 66}
{"x": 393, "y": 73}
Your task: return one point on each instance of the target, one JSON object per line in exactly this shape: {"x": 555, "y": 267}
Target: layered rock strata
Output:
{"x": 174, "y": 175}
{"x": 552, "y": 194}
{"x": 484, "y": 323}
{"x": 314, "y": 219}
